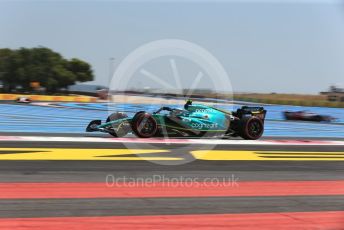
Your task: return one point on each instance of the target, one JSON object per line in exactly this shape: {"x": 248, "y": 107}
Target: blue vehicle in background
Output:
{"x": 192, "y": 121}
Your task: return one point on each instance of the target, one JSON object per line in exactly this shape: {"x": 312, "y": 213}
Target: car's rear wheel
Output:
{"x": 144, "y": 125}
{"x": 251, "y": 128}
{"x": 121, "y": 129}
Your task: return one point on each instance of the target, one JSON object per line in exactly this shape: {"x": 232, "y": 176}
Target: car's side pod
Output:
{"x": 93, "y": 126}
{"x": 253, "y": 111}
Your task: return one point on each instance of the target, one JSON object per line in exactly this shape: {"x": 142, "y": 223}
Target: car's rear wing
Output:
{"x": 251, "y": 110}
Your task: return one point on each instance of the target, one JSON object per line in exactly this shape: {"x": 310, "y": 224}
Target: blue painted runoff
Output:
{"x": 74, "y": 117}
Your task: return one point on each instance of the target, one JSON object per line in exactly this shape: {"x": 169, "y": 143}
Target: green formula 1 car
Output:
{"x": 192, "y": 121}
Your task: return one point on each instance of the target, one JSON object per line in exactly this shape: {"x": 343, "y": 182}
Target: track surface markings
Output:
{"x": 113, "y": 189}
{"x": 223, "y": 155}
{"x": 202, "y": 141}
{"x": 82, "y": 154}
{"x": 161, "y": 154}
{"x": 248, "y": 221}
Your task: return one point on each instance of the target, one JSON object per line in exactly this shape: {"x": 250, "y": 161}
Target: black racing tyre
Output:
{"x": 123, "y": 128}
{"x": 116, "y": 116}
{"x": 251, "y": 128}
{"x": 144, "y": 125}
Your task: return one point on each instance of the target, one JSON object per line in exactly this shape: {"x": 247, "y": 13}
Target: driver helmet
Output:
{"x": 187, "y": 103}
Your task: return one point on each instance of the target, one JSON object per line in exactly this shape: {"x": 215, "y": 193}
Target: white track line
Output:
{"x": 169, "y": 141}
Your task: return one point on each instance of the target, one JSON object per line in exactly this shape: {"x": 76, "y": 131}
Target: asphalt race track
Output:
{"x": 101, "y": 184}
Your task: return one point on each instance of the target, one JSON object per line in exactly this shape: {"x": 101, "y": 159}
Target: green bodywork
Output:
{"x": 194, "y": 118}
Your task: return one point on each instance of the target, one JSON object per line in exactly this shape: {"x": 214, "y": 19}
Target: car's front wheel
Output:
{"x": 121, "y": 129}
{"x": 144, "y": 125}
